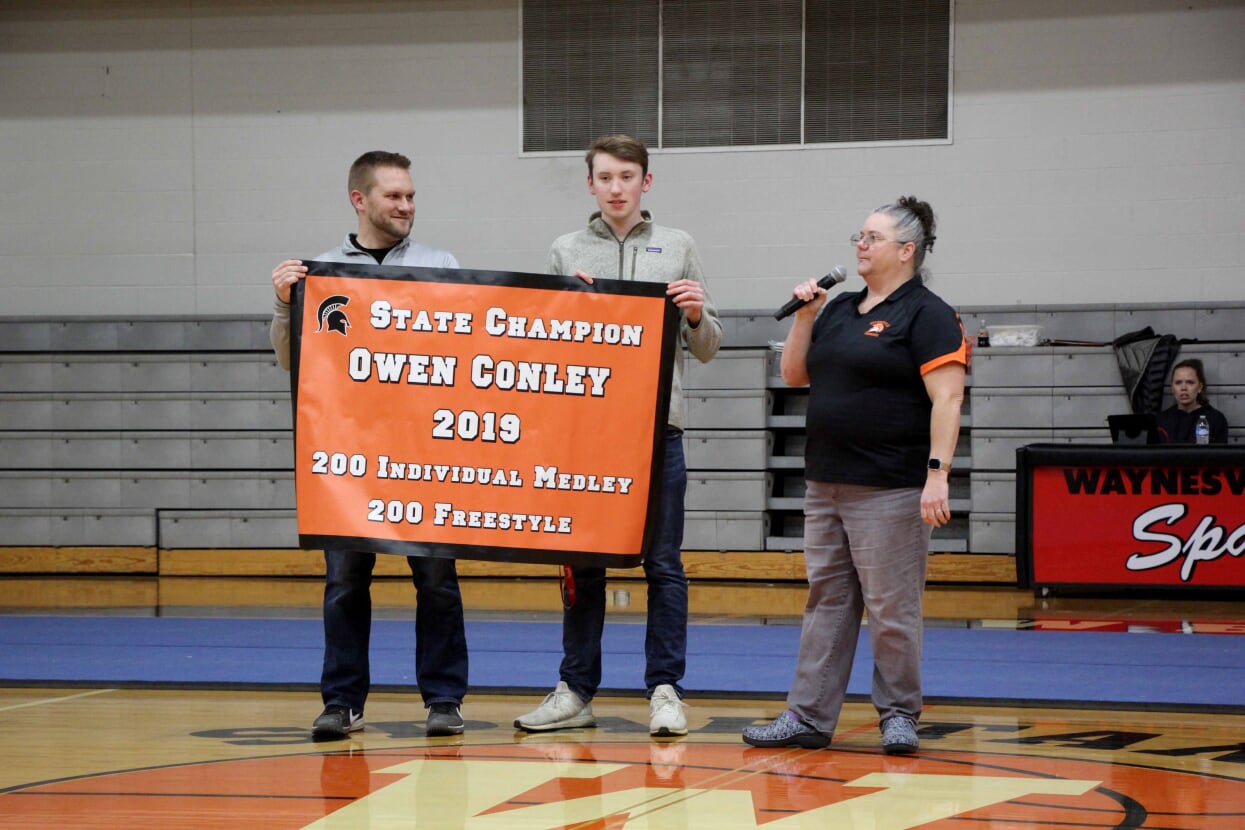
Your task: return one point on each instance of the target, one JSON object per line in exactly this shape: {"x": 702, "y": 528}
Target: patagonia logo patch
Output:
{"x": 652, "y": 249}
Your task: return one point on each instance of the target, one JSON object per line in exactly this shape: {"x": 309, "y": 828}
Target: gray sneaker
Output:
{"x": 335, "y": 723}
{"x": 899, "y": 736}
{"x": 443, "y": 719}
{"x": 786, "y": 730}
{"x": 561, "y": 709}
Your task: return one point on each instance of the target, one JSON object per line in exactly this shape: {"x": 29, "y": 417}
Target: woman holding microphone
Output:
{"x": 885, "y": 369}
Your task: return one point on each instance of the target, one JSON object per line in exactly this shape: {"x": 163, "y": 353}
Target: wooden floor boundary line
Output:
{"x": 61, "y": 699}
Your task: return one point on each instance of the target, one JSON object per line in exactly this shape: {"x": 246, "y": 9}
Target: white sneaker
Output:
{"x": 666, "y": 715}
{"x": 561, "y": 709}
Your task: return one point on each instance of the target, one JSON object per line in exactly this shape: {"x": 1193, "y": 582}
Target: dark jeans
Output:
{"x": 440, "y": 638}
{"x": 665, "y": 640}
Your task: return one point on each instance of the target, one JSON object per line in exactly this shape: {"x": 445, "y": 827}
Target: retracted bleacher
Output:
{"x": 164, "y": 445}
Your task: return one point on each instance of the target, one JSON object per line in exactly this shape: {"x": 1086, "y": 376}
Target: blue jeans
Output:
{"x": 665, "y": 640}
{"x": 440, "y": 637}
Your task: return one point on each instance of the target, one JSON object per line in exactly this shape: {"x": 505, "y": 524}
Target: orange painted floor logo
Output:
{"x": 612, "y": 786}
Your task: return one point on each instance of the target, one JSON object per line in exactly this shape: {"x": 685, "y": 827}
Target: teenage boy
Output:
{"x": 622, "y": 242}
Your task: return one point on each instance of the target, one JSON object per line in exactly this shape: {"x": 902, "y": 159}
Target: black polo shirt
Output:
{"x": 868, "y": 411}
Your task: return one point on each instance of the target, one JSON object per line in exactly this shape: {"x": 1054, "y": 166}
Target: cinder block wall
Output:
{"x": 160, "y": 156}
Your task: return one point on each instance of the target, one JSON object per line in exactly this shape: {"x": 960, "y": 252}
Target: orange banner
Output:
{"x": 479, "y": 414}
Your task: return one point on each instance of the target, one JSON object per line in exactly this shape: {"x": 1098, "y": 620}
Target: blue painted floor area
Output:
{"x": 994, "y": 665}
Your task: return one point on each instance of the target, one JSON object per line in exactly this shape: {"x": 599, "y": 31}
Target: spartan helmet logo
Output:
{"x": 331, "y": 315}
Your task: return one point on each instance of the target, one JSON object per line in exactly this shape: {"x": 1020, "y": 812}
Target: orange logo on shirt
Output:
{"x": 876, "y": 328}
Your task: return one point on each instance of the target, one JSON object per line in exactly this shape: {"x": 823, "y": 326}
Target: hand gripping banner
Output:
{"x": 479, "y": 414}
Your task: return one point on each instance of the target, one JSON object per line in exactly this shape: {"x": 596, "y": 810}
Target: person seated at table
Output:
{"x": 1177, "y": 423}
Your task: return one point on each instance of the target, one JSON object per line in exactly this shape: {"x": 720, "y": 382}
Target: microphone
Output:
{"x": 829, "y": 280}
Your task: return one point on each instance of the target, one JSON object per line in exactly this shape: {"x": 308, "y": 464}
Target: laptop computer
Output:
{"x": 1134, "y": 428}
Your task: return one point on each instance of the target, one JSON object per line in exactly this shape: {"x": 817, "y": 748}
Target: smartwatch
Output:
{"x": 936, "y": 464}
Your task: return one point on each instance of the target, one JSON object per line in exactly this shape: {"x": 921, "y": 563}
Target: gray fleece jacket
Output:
{"x": 651, "y": 253}
{"x": 405, "y": 252}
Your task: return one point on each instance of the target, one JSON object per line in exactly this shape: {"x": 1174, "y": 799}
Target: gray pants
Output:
{"x": 865, "y": 548}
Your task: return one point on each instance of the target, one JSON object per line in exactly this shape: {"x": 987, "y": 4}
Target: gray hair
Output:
{"x": 914, "y": 222}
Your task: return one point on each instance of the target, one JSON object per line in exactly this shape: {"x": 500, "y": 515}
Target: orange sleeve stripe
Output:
{"x": 960, "y": 356}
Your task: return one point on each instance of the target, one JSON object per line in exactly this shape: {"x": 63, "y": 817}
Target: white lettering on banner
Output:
{"x": 448, "y": 514}
{"x": 528, "y": 376}
{"x": 384, "y": 316}
{"x": 1206, "y": 543}
{"x": 446, "y": 473}
{"x": 486, "y": 372}
{"x": 500, "y": 324}
{"x": 549, "y": 478}
{"x": 390, "y": 366}
{"x": 470, "y": 425}
{"x": 338, "y": 463}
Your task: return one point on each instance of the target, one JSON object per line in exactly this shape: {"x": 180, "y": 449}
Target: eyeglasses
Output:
{"x": 868, "y": 240}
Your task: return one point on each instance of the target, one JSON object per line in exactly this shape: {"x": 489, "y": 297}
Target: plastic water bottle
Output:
{"x": 1201, "y": 432}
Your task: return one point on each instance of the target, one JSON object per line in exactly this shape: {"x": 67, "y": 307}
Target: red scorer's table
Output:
{"x": 1162, "y": 518}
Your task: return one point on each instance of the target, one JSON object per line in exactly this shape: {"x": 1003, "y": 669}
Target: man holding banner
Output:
{"x": 383, "y": 198}
{"x": 622, "y": 242}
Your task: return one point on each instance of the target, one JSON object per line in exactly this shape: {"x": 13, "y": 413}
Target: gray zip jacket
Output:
{"x": 651, "y": 253}
{"x": 405, "y": 252}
